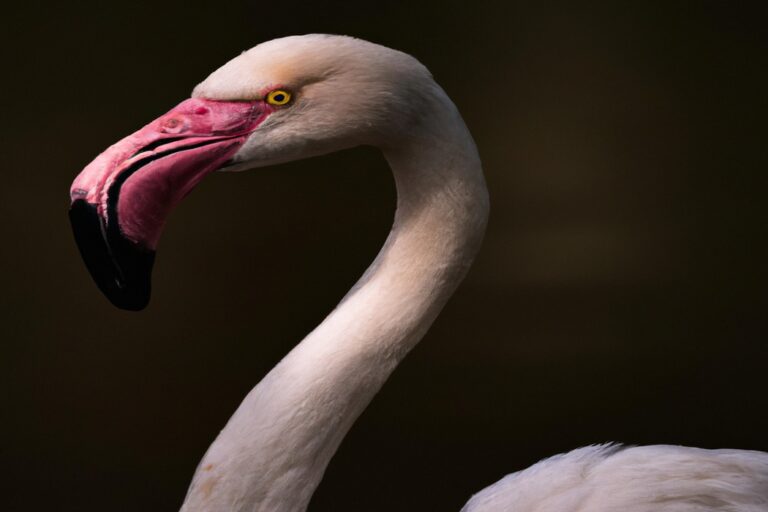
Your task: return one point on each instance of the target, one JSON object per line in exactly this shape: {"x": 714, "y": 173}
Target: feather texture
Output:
{"x": 613, "y": 478}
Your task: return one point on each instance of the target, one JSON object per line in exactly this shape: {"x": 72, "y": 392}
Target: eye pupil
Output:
{"x": 279, "y": 97}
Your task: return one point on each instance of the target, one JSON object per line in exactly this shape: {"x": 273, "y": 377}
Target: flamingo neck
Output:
{"x": 273, "y": 452}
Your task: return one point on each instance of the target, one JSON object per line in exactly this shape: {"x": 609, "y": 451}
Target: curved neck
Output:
{"x": 275, "y": 448}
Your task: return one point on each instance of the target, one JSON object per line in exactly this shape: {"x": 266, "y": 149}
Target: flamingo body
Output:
{"x": 614, "y": 478}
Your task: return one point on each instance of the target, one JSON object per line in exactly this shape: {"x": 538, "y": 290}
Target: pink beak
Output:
{"x": 122, "y": 199}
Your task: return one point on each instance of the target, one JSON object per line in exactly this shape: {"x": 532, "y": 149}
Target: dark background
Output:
{"x": 620, "y": 293}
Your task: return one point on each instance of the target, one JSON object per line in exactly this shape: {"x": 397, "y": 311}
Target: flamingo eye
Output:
{"x": 278, "y": 97}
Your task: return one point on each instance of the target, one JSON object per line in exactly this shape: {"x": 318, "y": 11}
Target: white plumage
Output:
{"x": 634, "y": 479}
{"x": 272, "y": 454}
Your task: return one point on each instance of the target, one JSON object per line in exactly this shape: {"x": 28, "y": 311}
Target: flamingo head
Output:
{"x": 283, "y": 100}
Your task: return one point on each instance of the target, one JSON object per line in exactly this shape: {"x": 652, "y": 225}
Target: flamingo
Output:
{"x": 301, "y": 96}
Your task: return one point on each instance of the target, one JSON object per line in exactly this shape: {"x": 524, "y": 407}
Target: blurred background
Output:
{"x": 620, "y": 293}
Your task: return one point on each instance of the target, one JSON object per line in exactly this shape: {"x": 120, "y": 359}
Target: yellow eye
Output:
{"x": 278, "y": 97}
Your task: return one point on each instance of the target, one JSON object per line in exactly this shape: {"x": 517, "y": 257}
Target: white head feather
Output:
{"x": 345, "y": 92}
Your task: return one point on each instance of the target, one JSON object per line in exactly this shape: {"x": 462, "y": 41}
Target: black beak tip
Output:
{"x": 121, "y": 269}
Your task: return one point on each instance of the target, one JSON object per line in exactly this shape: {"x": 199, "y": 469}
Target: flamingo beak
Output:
{"x": 122, "y": 199}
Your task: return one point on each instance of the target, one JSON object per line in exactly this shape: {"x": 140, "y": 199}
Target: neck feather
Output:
{"x": 275, "y": 448}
